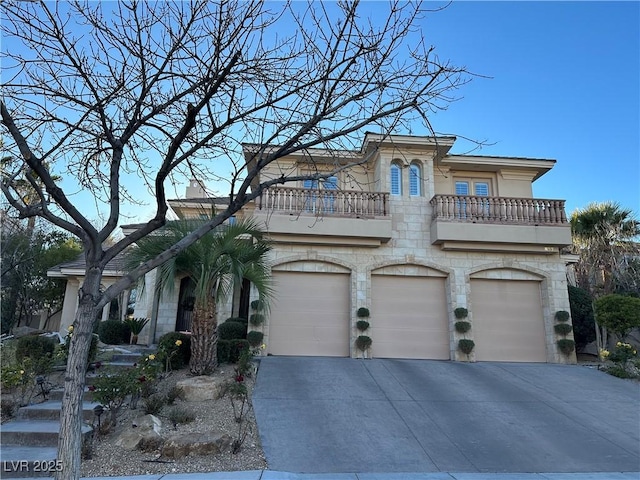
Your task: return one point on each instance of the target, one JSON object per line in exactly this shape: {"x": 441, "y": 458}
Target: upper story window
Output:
{"x": 479, "y": 188}
{"x": 396, "y": 179}
{"x": 415, "y": 179}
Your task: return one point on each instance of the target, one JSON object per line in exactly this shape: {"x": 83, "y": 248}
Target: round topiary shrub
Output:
{"x": 114, "y": 332}
{"x": 562, "y": 316}
{"x": 232, "y": 331}
{"x": 362, "y": 325}
{"x": 461, "y": 312}
{"x": 167, "y": 345}
{"x": 224, "y": 349}
{"x": 363, "y": 312}
{"x": 257, "y": 305}
{"x": 34, "y": 347}
{"x": 237, "y": 319}
{"x": 255, "y": 338}
{"x": 466, "y": 346}
{"x": 256, "y": 319}
{"x": 566, "y": 346}
{"x": 363, "y": 342}
{"x": 462, "y": 326}
{"x": 562, "y": 328}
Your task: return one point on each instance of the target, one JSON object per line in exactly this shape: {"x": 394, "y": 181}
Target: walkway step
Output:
{"x": 34, "y": 433}
{"x": 56, "y": 395}
{"x": 18, "y": 461}
{"x": 51, "y": 411}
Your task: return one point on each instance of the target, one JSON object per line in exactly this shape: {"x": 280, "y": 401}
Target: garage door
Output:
{"x": 409, "y": 317}
{"x": 310, "y": 314}
{"x": 508, "y": 325}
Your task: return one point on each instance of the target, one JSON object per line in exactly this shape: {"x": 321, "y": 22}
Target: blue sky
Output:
{"x": 565, "y": 85}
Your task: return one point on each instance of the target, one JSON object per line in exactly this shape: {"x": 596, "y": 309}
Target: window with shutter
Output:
{"x": 415, "y": 179}
{"x": 396, "y": 179}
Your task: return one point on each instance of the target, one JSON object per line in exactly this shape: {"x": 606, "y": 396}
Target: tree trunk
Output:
{"x": 204, "y": 339}
{"x": 71, "y": 418}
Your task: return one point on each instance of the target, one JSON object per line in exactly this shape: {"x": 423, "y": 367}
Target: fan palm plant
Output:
{"x": 215, "y": 263}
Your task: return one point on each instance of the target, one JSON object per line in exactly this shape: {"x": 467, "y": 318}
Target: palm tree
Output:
{"x": 604, "y": 236}
{"x": 215, "y": 263}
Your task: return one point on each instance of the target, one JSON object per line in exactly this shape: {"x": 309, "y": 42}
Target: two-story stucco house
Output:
{"x": 411, "y": 234}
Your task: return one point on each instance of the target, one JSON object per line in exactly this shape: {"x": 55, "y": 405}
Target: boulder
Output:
{"x": 144, "y": 433}
{"x": 200, "y": 389}
{"x": 182, "y": 445}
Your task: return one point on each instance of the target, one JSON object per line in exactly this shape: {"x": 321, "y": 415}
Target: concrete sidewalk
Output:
{"x": 275, "y": 475}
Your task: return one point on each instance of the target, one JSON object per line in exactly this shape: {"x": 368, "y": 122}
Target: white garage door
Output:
{"x": 508, "y": 325}
{"x": 310, "y": 314}
{"x": 409, "y": 317}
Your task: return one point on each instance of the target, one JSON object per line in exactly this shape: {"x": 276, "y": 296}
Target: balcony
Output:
{"x": 527, "y": 225}
{"x": 322, "y": 216}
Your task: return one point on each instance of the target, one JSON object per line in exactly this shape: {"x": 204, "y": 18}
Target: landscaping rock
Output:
{"x": 143, "y": 434}
{"x": 182, "y": 445}
{"x": 200, "y": 389}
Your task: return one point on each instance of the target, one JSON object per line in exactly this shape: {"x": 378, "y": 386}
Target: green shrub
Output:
{"x": 114, "y": 332}
{"x": 35, "y": 347}
{"x": 256, "y": 319}
{"x": 237, "y": 319}
{"x": 619, "y": 371}
{"x": 462, "y": 326}
{"x": 466, "y": 346}
{"x": 461, "y": 312}
{"x": 179, "y": 415}
{"x": 362, "y": 325}
{"x": 363, "y": 342}
{"x": 232, "y": 331}
{"x": 623, "y": 353}
{"x": 257, "y": 305}
{"x": 224, "y": 350}
{"x": 566, "y": 346}
{"x": 584, "y": 331}
{"x": 562, "y": 316}
{"x": 39, "y": 351}
{"x": 255, "y": 338}
{"x": 174, "y": 393}
{"x": 618, "y": 313}
{"x": 178, "y": 355}
{"x": 363, "y": 312}
{"x": 236, "y": 348}
{"x": 563, "y": 328}
{"x": 153, "y": 404}
{"x": 136, "y": 324}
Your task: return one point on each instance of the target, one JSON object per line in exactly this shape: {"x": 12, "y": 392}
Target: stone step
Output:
{"x": 34, "y": 433}
{"x": 18, "y": 461}
{"x": 129, "y": 357}
{"x": 51, "y": 409}
{"x": 56, "y": 395}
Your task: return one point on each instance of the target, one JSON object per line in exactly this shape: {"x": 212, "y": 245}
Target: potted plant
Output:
{"x": 135, "y": 325}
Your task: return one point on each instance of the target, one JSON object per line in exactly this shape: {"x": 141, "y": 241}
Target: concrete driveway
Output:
{"x": 345, "y": 415}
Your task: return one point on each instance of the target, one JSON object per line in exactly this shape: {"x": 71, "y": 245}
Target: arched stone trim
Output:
{"x": 312, "y": 263}
{"x": 409, "y": 267}
{"x": 507, "y": 271}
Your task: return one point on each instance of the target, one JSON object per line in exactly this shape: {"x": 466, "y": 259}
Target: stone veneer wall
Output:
{"x": 410, "y": 245}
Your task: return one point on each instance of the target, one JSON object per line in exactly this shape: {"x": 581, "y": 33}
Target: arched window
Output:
{"x": 415, "y": 179}
{"x": 396, "y": 179}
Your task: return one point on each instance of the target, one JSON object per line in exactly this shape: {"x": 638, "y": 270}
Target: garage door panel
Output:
{"x": 508, "y": 324}
{"x": 409, "y": 317}
{"x": 310, "y": 315}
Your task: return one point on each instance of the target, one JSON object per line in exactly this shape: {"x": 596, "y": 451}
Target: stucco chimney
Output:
{"x": 195, "y": 190}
